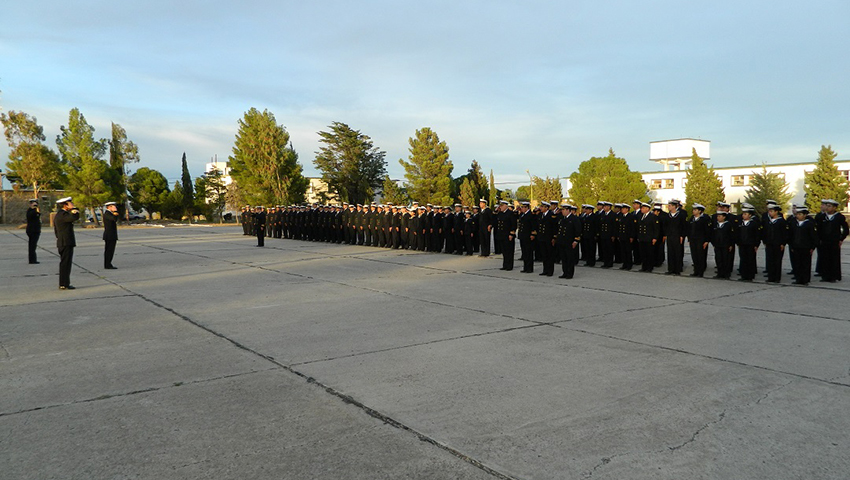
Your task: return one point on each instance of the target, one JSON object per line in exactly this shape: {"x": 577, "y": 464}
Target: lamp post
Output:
{"x": 530, "y": 186}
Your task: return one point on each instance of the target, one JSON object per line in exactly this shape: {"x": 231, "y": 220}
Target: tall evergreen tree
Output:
{"x": 264, "y": 163}
{"x": 350, "y": 164}
{"x": 188, "y": 190}
{"x": 429, "y": 169}
{"x": 766, "y": 186}
{"x": 605, "y": 178}
{"x": 122, "y": 152}
{"x": 148, "y": 190}
{"x": 468, "y": 195}
{"x": 30, "y": 161}
{"x": 477, "y": 180}
{"x": 84, "y": 164}
{"x": 492, "y": 193}
{"x": 392, "y": 193}
{"x": 703, "y": 185}
{"x": 825, "y": 181}
{"x": 546, "y": 189}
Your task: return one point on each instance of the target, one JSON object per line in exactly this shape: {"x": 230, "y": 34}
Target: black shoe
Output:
{"x": 800, "y": 283}
{"x": 34, "y": 263}
{"x": 669, "y": 273}
{"x": 565, "y": 276}
{"x": 111, "y": 268}
{"x": 508, "y": 269}
{"x": 69, "y": 287}
{"x": 745, "y": 279}
{"x": 503, "y": 268}
{"x": 543, "y": 274}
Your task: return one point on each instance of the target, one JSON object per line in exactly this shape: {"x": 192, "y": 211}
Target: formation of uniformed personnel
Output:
{"x": 63, "y": 228}
{"x": 245, "y": 217}
{"x": 621, "y": 234}
{"x": 33, "y": 229}
{"x": 110, "y": 233}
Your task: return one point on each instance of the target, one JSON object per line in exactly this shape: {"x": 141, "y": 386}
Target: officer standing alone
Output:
{"x": 110, "y": 234}
{"x": 33, "y": 229}
{"x": 63, "y": 227}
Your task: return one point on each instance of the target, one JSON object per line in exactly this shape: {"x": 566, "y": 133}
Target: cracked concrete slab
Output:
{"x": 61, "y": 352}
{"x": 807, "y": 346}
{"x": 263, "y": 425}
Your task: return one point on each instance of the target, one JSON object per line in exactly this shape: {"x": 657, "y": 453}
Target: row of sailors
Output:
{"x": 610, "y": 233}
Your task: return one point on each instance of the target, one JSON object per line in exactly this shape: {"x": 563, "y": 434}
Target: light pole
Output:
{"x": 530, "y": 186}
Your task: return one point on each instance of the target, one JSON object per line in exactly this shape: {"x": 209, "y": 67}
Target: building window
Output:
{"x": 740, "y": 180}
{"x": 845, "y": 174}
{"x": 668, "y": 183}
{"x": 655, "y": 184}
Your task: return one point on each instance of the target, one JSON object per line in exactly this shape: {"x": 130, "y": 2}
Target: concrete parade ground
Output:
{"x": 205, "y": 357}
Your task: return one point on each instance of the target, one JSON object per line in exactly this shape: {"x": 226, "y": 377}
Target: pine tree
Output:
{"x": 703, "y": 185}
{"x": 492, "y": 192}
{"x": 546, "y": 189}
{"x": 350, "y": 164}
{"x": 188, "y": 190}
{"x": 766, "y": 186}
{"x": 84, "y": 164}
{"x": 467, "y": 195}
{"x": 264, "y": 163}
{"x": 392, "y": 193}
{"x": 825, "y": 181}
{"x": 606, "y": 178}
{"x": 148, "y": 189}
{"x": 428, "y": 171}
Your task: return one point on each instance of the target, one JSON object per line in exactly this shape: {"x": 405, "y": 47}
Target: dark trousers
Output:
{"x": 484, "y": 240}
{"x": 66, "y": 258}
{"x": 468, "y": 239}
{"x": 636, "y": 253}
{"x": 626, "y": 253}
{"x": 527, "y": 249}
{"x": 647, "y": 252}
{"x": 675, "y": 249}
{"x": 460, "y": 243}
{"x": 699, "y": 256}
{"x": 588, "y": 250}
{"x": 497, "y": 244}
{"x": 568, "y": 259}
{"x": 33, "y": 244}
{"x": 548, "y": 254}
{"x": 773, "y": 262}
{"x": 747, "y": 255}
{"x": 508, "y": 247}
{"x": 659, "y": 253}
{"x": 606, "y": 250}
{"x": 109, "y": 252}
{"x": 261, "y": 237}
{"x": 721, "y": 258}
{"x": 802, "y": 265}
{"x": 829, "y": 257}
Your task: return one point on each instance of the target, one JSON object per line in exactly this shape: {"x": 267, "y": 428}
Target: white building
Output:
{"x": 317, "y": 192}
{"x": 670, "y": 183}
{"x": 222, "y": 167}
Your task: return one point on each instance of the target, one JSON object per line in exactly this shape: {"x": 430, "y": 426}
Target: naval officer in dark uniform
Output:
{"x": 506, "y": 234}
{"x": 110, "y": 233}
{"x": 63, "y": 227}
{"x": 259, "y": 222}
{"x": 33, "y": 229}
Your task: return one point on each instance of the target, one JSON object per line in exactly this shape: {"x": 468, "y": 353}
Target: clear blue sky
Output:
{"x": 516, "y": 85}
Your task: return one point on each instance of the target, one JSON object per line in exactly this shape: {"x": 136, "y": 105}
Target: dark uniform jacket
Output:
{"x": 546, "y": 226}
{"x": 63, "y": 227}
{"x": 506, "y": 222}
{"x": 590, "y": 226}
{"x": 648, "y": 227}
{"x": 775, "y": 232}
{"x": 803, "y": 236}
{"x": 33, "y": 221}
{"x": 699, "y": 229}
{"x": 527, "y": 226}
{"x": 110, "y": 226}
{"x": 485, "y": 219}
{"x": 723, "y": 234}
{"x": 569, "y": 230}
{"x": 674, "y": 226}
{"x": 749, "y": 234}
{"x": 831, "y": 230}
